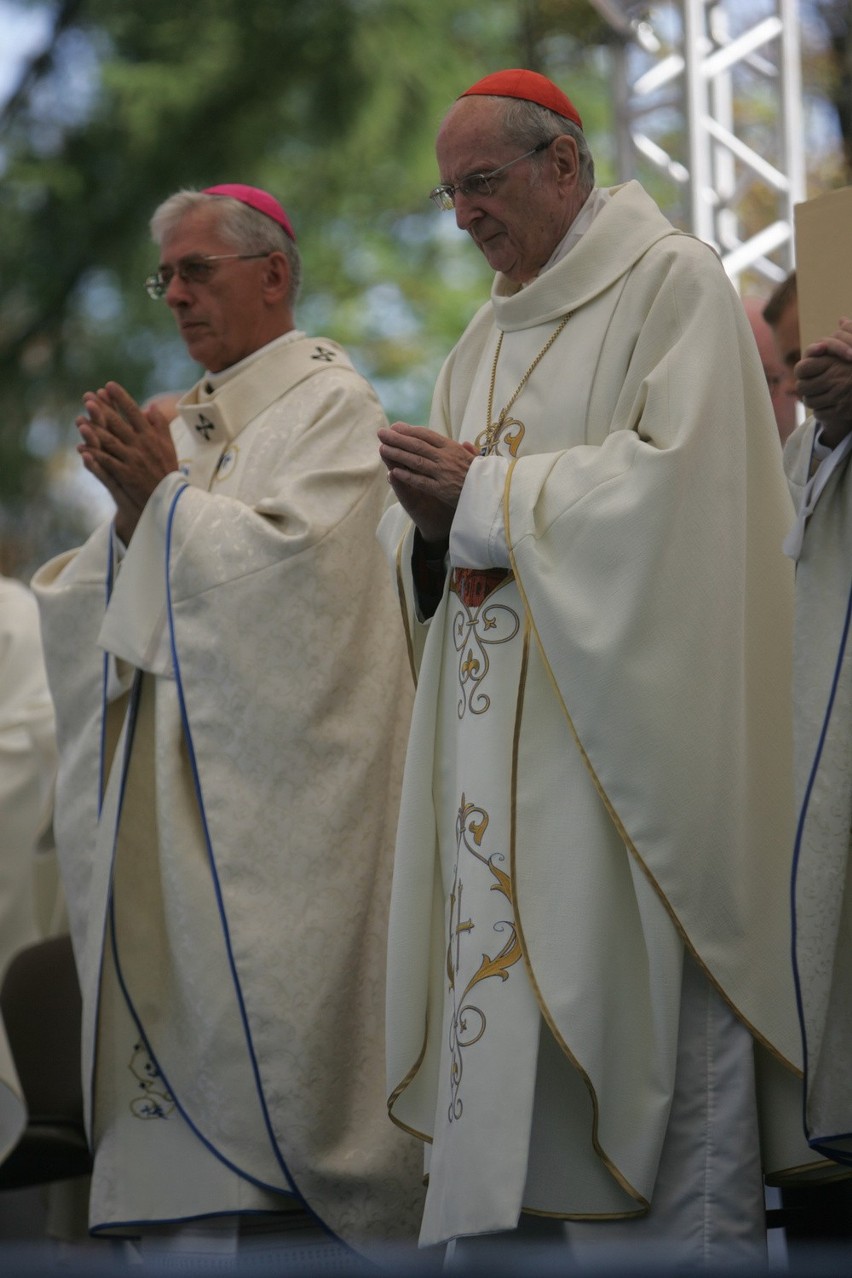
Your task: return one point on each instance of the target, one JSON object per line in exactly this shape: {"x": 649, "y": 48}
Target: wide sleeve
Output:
{"x": 308, "y": 463}
{"x": 72, "y": 591}
{"x": 661, "y": 603}
{"x": 396, "y": 530}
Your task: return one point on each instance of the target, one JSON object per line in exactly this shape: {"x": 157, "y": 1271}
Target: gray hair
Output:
{"x": 248, "y": 230}
{"x": 783, "y": 295}
{"x": 527, "y": 124}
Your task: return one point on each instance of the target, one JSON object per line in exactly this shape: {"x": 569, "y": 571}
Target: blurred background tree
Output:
{"x": 332, "y": 105}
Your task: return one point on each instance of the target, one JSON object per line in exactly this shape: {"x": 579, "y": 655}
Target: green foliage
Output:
{"x": 331, "y": 104}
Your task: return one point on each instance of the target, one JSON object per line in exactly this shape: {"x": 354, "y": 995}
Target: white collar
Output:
{"x": 212, "y": 381}
{"x": 591, "y": 208}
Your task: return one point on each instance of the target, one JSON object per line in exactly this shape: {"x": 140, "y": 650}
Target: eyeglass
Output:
{"x": 192, "y": 270}
{"x": 444, "y": 196}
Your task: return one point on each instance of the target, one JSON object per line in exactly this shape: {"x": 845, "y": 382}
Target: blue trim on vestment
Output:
{"x": 279, "y": 1240}
{"x": 817, "y": 1143}
{"x": 822, "y": 1145}
{"x": 296, "y": 1193}
{"x": 109, "y": 580}
{"x": 238, "y": 1171}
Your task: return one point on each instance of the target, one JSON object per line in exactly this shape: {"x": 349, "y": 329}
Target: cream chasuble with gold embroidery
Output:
{"x": 232, "y": 704}
{"x": 631, "y": 753}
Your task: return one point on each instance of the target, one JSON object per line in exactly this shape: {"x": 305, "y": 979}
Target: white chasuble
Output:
{"x": 822, "y": 874}
{"x": 27, "y": 765}
{"x": 646, "y": 750}
{"x": 232, "y": 702}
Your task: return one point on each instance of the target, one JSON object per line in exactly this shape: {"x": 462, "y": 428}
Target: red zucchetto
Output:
{"x": 255, "y": 199}
{"x": 529, "y": 86}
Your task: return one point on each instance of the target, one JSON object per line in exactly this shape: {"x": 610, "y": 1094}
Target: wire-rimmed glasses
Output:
{"x": 192, "y": 270}
{"x": 477, "y": 184}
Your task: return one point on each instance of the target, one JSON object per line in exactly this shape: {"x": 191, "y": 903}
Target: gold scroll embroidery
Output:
{"x": 468, "y": 1022}
{"x": 478, "y": 625}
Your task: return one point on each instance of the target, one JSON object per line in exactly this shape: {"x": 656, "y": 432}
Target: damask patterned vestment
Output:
{"x": 232, "y": 702}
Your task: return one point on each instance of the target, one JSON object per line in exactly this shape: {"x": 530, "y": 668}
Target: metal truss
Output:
{"x": 708, "y": 108}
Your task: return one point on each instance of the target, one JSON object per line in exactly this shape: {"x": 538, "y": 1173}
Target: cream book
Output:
{"x": 823, "y": 263}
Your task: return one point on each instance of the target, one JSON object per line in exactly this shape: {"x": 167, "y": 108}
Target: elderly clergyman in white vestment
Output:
{"x": 817, "y": 463}
{"x": 589, "y": 934}
{"x": 232, "y": 695}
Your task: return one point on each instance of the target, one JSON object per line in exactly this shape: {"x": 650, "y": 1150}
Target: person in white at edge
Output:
{"x": 27, "y": 766}
{"x": 589, "y": 932}
{"x": 817, "y": 462}
{"x": 232, "y": 696}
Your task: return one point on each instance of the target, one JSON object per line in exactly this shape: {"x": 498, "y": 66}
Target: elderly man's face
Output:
{"x": 223, "y": 320}
{"x": 518, "y": 226}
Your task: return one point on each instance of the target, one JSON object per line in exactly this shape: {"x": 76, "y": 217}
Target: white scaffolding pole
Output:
{"x": 709, "y": 114}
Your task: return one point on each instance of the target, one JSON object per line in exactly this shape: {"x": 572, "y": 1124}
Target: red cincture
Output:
{"x": 474, "y": 585}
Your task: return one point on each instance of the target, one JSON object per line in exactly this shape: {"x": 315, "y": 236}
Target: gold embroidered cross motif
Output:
{"x": 468, "y": 1022}
{"x": 458, "y": 928}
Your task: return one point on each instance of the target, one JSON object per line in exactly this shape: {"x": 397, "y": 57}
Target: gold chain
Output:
{"x": 493, "y": 427}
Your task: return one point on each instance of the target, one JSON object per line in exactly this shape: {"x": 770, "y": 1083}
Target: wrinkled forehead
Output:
{"x": 471, "y": 138}
{"x": 197, "y": 234}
